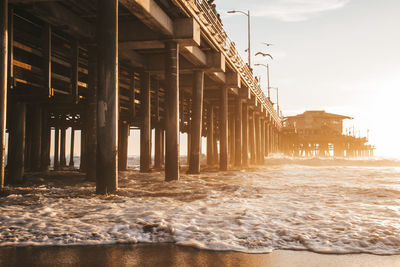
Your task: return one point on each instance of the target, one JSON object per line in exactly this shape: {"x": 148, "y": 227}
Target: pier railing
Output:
{"x": 209, "y": 22}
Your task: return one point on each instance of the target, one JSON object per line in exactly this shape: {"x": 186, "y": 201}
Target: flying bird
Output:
{"x": 264, "y": 54}
{"x": 267, "y": 44}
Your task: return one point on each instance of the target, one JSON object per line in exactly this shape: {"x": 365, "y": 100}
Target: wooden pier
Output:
{"x": 103, "y": 67}
{"x": 320, "y": 134}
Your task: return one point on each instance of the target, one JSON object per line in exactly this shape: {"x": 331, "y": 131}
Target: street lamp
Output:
{"x": 277, "y": 98}
{"x": 248, "y": 31}
{"x": 268, "y": 87}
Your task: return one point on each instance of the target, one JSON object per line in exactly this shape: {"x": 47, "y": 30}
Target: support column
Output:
{"x": 158, "y": 130}
{"x": 210, "y": 136}
{"x": 257, "y": 138}
{"x": 123, "y": 146}
{"x": 45, "y": 144}
{"x": 3, "y": 84}
{"x": 172, "y": 112}
{"x": 63, "y": 161}
{"x": 270, "y": 139}
{"x": 91, "y": 115}
{"x": 238, "y": 132}
{"x": 232, "y": 140}
{"x": 56, "y": 145}
{"x": 83, "y": 158}
{"x": 145, "y": 129}
{"x": 36, "y": 138}
{"x": 107, "y": 98}
{"x": 245, "y": 122}
{"x": 17, "y": 144}
{"x": 197, "y": 122}
{"x": 252, "y": 138}
{"x": 267, "y": 137}
{"x": 262, "y": 146}
{"x": 223, "y": 130}
{"x": 72, "y": 146}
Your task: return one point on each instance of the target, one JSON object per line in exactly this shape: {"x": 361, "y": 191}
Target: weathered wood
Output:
{"x": 16, "y": 153}
{"x": 107, "y": 98}
{"x": 36, "y": 138}
{"x": 63, "y": 161}
{"x": 45, "y": 143}
{"x": 83, "y": 157}
{"x": 223, "y": 129}
{"x": 238, "y": 132}
{"x": 172, "y": 114}
{"x": 266, "y": 137}
{"x": 56, "y": 163}
{"x": 197, "y": 122}
{"x": 245, "y": 147}
{"x": 231, "y": 139}
{"x": 257, "y": 138}
{"x": 262, "y": 146}
{"x": 123, "y": 146}
{"x": 252, "y": 138}
{"x": 158, "y": 130}
{"x": 210, "y": 136}
{"x": 145, "y": 127}
{"x": 91, "y": 125}
{"x": 72, "y": 148}
{"x": 74, "y": 71}
{"x": 11, "y": 80}
{"x": 131, "y": 107}
{"x": 46, "y": 51}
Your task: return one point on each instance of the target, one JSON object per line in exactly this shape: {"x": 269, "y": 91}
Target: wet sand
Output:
{"x": 173, "y": 255}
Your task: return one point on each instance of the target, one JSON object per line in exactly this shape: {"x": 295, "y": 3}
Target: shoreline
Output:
{"x": 169, "y": 254}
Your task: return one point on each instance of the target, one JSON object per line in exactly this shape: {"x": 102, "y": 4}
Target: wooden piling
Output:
{"x": 3, "y": 84}
{"x": 36, "y": 138}
{"x": 223, "y": 129}
{"x": 158, "y": 128}
{"x": 231, "y": 138}
{"x": 238, "y": 132}
{"x": 63, "y": 161}
{"x": 72, "y": 148}
{"x": 45, "y": 142}
{"x": 245, "y": 122}
{"x": 257, "y": 137}
{"x": 107, "y": 98}
{"x": 74, "y": 71}
{"x": 262, "y": 146}
{"x": 145, "y": 127}
{"x": 210, "y": 136}
{"x": 172, "y": 112}
{"x": 91, "y": 125}
{"x": 197, "y": 122}
{"x": 56, "y": 164}
{"x": 123, "y": 146}
{"x": 16, "y": 153}
{"x": 252, "y": 138}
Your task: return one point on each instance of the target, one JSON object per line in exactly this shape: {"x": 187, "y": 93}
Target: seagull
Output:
{"x": 267, "y": 44}
{"x": 264, "y": 54}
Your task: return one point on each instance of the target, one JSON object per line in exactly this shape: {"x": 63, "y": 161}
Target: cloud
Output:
{"x": 290, "y": 10}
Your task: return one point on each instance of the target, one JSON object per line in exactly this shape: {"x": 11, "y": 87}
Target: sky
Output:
{"x": 341, "y": 56}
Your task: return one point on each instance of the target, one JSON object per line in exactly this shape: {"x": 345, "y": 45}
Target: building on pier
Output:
{"x": 103, "y": 67}
{"x": 318, "y": 133}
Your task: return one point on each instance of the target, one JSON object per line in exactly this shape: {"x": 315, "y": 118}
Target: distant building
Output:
{"x": 318, "y": 133}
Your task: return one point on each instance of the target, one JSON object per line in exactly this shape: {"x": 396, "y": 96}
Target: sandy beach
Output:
{"x": 173, "y": 255}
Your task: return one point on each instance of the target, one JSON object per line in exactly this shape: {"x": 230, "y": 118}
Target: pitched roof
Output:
{"x": 319, "y": 114}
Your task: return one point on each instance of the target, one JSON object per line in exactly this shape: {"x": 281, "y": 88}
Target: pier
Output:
{"x": 316, "y": 133}
{"x": 102, "y": 67}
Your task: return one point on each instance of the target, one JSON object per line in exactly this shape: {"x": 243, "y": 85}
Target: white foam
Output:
{"x": 329, "y": 209}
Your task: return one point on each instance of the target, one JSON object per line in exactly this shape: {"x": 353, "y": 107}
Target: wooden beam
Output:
{"x": 3, "y": 84}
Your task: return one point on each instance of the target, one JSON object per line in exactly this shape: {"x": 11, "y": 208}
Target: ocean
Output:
{"x": 320, "y": 205}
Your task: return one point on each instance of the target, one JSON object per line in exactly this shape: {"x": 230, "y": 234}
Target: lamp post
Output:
{"x": 268, "y": 87}
{"x": 277, "y": 98}
{"x": 248, "y": 31}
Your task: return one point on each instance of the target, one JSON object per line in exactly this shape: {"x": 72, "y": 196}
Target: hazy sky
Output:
{"x": 341, "y": 56}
